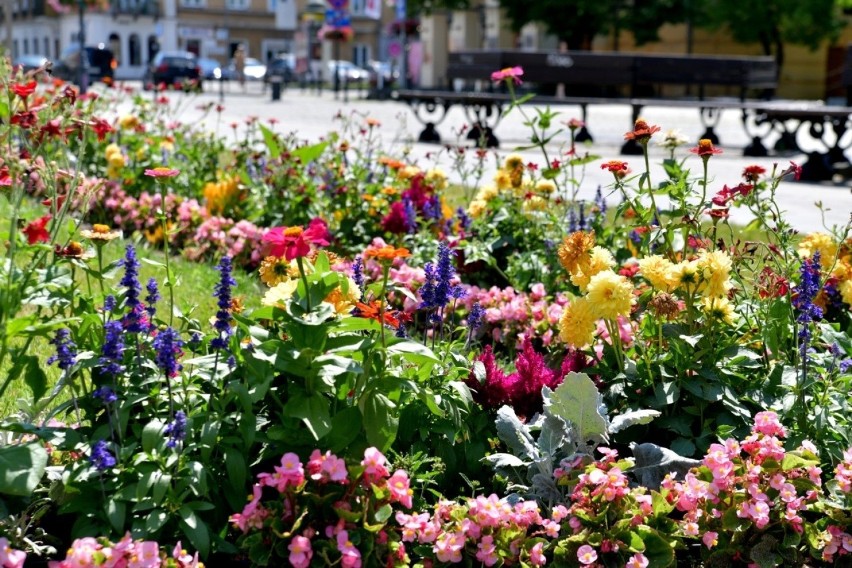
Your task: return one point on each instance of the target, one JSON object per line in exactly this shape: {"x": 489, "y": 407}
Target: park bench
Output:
{"x": 637, "y": 80}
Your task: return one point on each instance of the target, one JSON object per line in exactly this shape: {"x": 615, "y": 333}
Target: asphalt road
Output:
{"x": 311, "y": 115}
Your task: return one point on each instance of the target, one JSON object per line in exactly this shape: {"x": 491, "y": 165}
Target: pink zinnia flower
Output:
{"x": 513, "y": 73}
{"x": 162, "y": 172}
{"x": 294, "y": 242}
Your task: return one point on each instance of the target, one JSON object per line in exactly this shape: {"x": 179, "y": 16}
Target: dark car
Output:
{"x": 99, "y": 64}
{"x": 172, "y": 68}
{"x": 210, "y": 69}
{"x": 280, "y": 68}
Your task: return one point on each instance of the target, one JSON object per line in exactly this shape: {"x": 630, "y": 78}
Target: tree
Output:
{"x": 775, "y": 23}
{"x": 577, "y": 22}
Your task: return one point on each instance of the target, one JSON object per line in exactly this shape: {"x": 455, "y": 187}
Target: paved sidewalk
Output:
{"x": 311, "y": 115}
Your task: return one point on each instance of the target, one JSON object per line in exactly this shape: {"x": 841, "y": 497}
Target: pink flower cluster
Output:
{"x": 487, "y": 528}
{"x": 746, "y": 476}
{"x": 9, "y": 557}
{"x": 219, "y": 236}
{"x": 324, "y": 471}
{"x": 90, "y": 553}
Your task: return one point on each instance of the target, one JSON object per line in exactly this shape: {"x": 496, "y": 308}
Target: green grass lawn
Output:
{"x": 193, "y": 295}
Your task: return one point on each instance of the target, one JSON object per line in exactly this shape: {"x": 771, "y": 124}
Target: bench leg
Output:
{"x": 817, "y": 168}
{"x": 756, "y": 149}
{"x": 583, "y": 134}
{"x": 632, "y": 147}
{"x": 429, "y": 134}
{"x": 483, "y": 136}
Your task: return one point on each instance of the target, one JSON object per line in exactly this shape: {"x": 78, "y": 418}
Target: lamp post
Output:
{"x": 313, "y": 15}
{"x": 83, "y": 68}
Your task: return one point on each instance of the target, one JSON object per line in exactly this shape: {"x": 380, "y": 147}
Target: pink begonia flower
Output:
{"x": 146, "y": 555}
{"x": 486, "y": 551}
{"x": 350, "y": 557}
{"x": 10, "y": 558}
{"x": 767, "y": 423}
{"x": 300, "y": 552}
{"x": 638, "y": 560}
{"x": 586, "y": 554}
{"x": 710, "y": 539}
{"x": 448, "y": 547}
{"x": 183, "y": 557}
{"x": 374, "y": 465}
{"x": 537, "y": 555}
{"x": 513, "y": 73}
{"x": 399, "y": 488}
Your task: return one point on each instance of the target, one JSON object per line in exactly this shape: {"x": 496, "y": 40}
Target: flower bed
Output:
{"x": 437, "y": 376}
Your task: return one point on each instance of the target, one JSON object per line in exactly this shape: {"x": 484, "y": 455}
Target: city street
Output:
{"x": 311, "y": 115}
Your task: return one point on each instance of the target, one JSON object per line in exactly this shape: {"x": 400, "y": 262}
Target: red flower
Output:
{"x": 26, "y": 119}
{"x": 397, "y": 221}
{"x": 618, "y": 168}
{"x": 101, "y": 128}
{"x": 36, "y": 231}
{"x": 794, "y": 169}
{"x": 509, "y": 73}
{"x": 5, "y": 178}
{"x": 641, "y": 132}
{"x": 24, "y": 90}
{"x": 770, "y": 284}
{"x": 162, "y": 172}
{"x": 295, "y": 242}
{"x": 753, "y": 173}
{"x": 720, "y": 213}
{"x": 575, "y": 124}
{"x": 374, "y": 311}
{"x": 705, "y": 148}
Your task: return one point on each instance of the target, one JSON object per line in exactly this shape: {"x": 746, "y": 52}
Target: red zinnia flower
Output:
{"x": 641, "y": 132}
{"x": 618, "y": 168}
{"x": 36, "y": 231}
{"x": 24, "y": 90}
{"x": 295, "y": 242}
{"x": 718, "y": 213}
{"x": 162, "y": 172}
{"x": 26, "y": 119}
{"x": 5, "y": 178}
{"x": 705, "y": 148}
{"x": 513, "y": 73}
{"x": 101, "y": 128}
{"x": 753, "y": 173}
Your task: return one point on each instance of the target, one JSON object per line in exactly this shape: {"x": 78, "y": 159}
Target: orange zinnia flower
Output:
{"x": 641, "y": 132}
{"x": 386, "y": 252}
{"x": 373, "y": 311}
{"x": 705, "y": 148}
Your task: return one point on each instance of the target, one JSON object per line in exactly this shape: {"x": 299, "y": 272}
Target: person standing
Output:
{"x": 240, "y": 65}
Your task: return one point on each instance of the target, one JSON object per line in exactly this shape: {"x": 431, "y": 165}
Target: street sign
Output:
{"x": 338, "y": 4}
{"x": 337, "y": 18}
{"x": 400, "y": 9}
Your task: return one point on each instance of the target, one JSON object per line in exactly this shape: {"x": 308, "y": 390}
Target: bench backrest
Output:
{"x": 619, "y": 69}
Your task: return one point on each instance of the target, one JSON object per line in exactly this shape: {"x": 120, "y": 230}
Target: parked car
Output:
{"x": 99, "y": 63}
{"x": 172, "y": 68}
{"x": 27, "y": 63}
{"x": 384, "y": 71}
{"x": 254, "y": 70}
{"x": 347, "y": 71}
{"x": 282, "y": 68}
{"x": 210, "y": 69}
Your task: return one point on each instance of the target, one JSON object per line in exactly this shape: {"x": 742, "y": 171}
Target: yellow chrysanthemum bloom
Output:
{"x": 389, "y": 190}
{"x": 221, "y": 196}
{"x": 128, "y": 122}
{"x": 476, "y": 208}
{"x": 112, "y": 149}
{"x": 502, "y": 180}
{"x": 408, "y": 172}
{"x": 341, "y": 301}
{"x": 715, "y": 269}
{"x": 274, "y": 270}
{"x": 578, "y": 323}
{"x": 545, "y": 186}
{"x": 845, "y": 289}
{"x": 113, "y": 173}
{"x": 610, "y": 295}
{"x": 513, "y": 162}
{"x": 718, "y": 308}
{"x": 686, "y": 276}
{"x": 825, "y": 244}
{"x": 534, "y": 203}
{"x": 487, "y": 193}
{"x": 279, "y": 294}
{"x": 574, "y": 251}
{"x": 600, "y": 259}
{"x": 167, "y": 146}
{"x": 117, "y": 161}
{"x": 141, "y": 153}
{"x": 437, "y": 178}
{"x": 658, "y": 271}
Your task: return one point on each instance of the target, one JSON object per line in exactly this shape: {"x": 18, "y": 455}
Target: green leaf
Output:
{"x": 152, "y": 435}
{"x": 313, "y": 410}
{"x": 116, "y": 511}
{"x": 269, "y": 139}
{"x": 35, "y": 378}
{"x": 381, "y": 419}
{"x": 155, "y": 521}
{"x": 658, "y": 551}
{"x": 309, "y": 153}
{"x": 195, "y": 529}
{"x": 236, "y": 467}
{"x": 4, "y": 110}
{"x": 21, "y": 468}
{"x": 384, "y": 513}
{"x": 578, "y": 401}
{"x": 345, "y": 428}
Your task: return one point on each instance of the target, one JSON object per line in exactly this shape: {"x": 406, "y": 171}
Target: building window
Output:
{"x": 134, "y": 49}
{"x": 153, "y": 47}
{"x": 237, "y": 4}
{"x": 193, "y": 3}
{"x": 360, "y": 54}
{"x": 15, "y": 48}
{"x": 56, "y": 48}
{"x": 26, "y": 46}
{"x": 46, "y": 44}
{"x": 356, "y": 7}
{"x": 115, "y": 46}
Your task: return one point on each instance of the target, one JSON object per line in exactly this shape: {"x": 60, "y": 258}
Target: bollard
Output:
{"x": 275, "y": 84}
